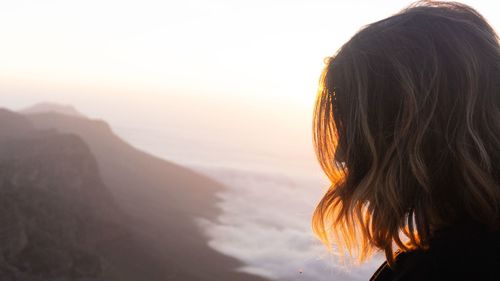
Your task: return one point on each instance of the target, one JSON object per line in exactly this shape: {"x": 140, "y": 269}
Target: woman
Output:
{"x": 407, "y": 128}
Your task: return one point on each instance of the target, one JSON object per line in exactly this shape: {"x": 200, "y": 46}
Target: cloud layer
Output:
{"x": 265, "y": 223}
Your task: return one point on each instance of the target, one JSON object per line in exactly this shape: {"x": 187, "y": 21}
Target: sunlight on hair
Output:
{"x": 416, "y": 145}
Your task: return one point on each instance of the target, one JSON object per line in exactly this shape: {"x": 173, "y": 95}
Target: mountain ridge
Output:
{"x": 52, "y": 205}
{"x": 52, "y": 107}
{"x": 149, "y": 230}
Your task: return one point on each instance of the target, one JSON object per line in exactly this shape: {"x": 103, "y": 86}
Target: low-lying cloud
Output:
{"x": 265, "y": 223}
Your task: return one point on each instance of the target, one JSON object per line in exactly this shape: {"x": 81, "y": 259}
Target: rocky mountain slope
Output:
{"x": 54, "y": 209}
{"x": 78, "y": 203}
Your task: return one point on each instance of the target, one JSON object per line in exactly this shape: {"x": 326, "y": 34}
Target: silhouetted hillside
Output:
{"x": 54, "y": 209}
{"x": 156, "y": 237}
{"x": 52, "y": 107}
{"x": 126, "y": 169}
{"x": 14, "y": 125}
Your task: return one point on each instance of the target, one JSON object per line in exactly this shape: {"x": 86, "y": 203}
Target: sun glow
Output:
{"x": 260, "y": 48}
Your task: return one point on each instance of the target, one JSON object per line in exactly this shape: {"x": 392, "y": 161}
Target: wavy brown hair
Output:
{"x": 407, "y": 128}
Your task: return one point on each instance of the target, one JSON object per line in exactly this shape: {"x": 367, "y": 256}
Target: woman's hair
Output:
{"x": 407, "y": 128}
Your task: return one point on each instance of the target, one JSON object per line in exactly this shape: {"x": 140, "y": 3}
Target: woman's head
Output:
{"x": 407, "y": 128}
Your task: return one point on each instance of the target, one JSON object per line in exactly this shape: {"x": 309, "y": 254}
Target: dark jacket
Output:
{"x": 466, "y": 251}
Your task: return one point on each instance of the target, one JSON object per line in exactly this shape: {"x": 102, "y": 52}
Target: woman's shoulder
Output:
{"x": 414, "y": 265}
{"x": 455, "y": 254}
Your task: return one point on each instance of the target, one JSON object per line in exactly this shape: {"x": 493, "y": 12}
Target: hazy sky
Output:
{"x": 233, "y": 69}
{"x": 258, "y": 49}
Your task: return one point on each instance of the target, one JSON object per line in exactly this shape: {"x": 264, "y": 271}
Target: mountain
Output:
{"x": 52, "y": 107}
{"x": 161, "y": 202}
{"x": 14, "y": 125}
{"x": 55, "y": 211}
